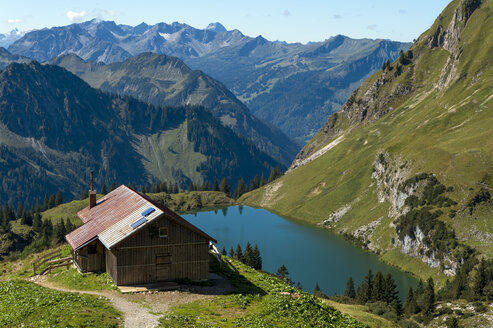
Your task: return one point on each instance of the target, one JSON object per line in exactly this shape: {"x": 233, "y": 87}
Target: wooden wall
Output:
{"x": 185, "y": 251}
{"x": 91, "y": 262}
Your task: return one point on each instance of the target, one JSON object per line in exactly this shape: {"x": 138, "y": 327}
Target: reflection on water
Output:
{"x": 310, "y": 254}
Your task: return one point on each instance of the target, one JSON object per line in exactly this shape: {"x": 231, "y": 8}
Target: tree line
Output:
{"x": 173, "y": 187}
{"x": 251, "y": 256}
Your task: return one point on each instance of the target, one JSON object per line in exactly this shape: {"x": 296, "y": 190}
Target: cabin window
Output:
{"x": 163, "y": 232}
{"x": 92, "y": 249}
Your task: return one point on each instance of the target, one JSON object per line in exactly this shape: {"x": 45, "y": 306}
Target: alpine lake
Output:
{"x": 309, "y": 253}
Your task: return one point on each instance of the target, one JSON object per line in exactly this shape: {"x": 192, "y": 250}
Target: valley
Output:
{"x": 345, "y": 182}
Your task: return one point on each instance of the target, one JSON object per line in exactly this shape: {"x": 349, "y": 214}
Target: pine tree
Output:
{"x": 52, "y": 201}
{"x": 299, "y": 286}
{"x": 248, "y": 255}
{"x": 104, "y": 189}
{"x": 316, "y": 289}
{"x": 283, "y": 274}
{"x": 231, "y": 252}
{"x": 349, "y": 292}
{"x": 410, "y": 306}
{"x": 58, "y": 198}
{"x": 419, "y": 295}
{"x": 216, "y": 185}
{"x": 37, "y": 222}
{"x": 429, "y": 306}
{"x": 378, "y": 290}
{"x": 392, "y": 295}
{"x": 481, "y": 280}
{"x": 364, "y": 293}
{"x": 84, "y": 195}
{"x": 223, "y": 251}
{"x": 255, "y": 183}
{"x": 262, "y": 180}
{"x": 239, "y": 253}
{"x": 240, "y": 188}
{"x": 257, "y": 258}
{"x": 45, "y": 203}
{"x": 224, "y": 186}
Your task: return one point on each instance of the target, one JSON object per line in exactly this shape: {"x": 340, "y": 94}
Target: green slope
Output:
{"x": 55, "y": 128}
{"x": 166, "y": 81}
{"x": 429, "y": 112}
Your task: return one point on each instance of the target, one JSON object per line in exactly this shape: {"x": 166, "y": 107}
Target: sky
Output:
{"x": 287, "y": 20}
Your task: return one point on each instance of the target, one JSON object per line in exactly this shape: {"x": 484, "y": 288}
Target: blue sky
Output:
{"x": 292, "y": 21}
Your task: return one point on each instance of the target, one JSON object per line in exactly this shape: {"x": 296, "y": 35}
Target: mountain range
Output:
{"x": 54, "y": 128}
{"x": 166, "y": 81}
{"x": 405, "y": 167}
{"x": 292, "y": 86}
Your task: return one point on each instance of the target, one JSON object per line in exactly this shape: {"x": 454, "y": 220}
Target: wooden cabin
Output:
{"x": 136, "y": 240}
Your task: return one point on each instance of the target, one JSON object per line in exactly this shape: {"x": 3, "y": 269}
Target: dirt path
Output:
{"x": 138, "y": 308}
{"x": 135, "y": 314}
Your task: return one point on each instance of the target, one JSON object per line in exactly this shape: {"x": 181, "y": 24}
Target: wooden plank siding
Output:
{"x": 87, "y": 260}
{"x": 186, "y": 253}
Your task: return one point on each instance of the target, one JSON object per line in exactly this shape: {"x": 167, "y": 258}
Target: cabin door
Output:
{"x": 163, "y": 267}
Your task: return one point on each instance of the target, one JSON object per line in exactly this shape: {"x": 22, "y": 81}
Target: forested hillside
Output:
{"x": 56, "y": 128}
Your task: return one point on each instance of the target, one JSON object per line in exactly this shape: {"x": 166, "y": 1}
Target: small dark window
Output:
{"x": 163, "y": 232}
{"x": 92, "y": 249}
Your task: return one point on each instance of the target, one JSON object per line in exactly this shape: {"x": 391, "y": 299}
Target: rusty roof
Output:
{"x": 110, "y": 219}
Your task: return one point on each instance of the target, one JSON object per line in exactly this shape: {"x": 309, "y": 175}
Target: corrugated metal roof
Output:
{"x": 111, "y": 218}
{"x": 121, "y": 229}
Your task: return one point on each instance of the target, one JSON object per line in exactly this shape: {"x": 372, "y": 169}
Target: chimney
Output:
{"x": 92, "y": 193}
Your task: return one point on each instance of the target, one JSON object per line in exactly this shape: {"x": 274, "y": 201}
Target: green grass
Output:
{"x": 23, "y": 267}
{"x": 361, "y": 313}
{"x": 164, "y": 152}
{"x": 192, "y": 201}
{"x": 73, "y": 279}
{"x": 258, "y": 300}
{"x": 67, "y": 211}
{"x": 443, "y": 131}
{"x": 25, "y": 304}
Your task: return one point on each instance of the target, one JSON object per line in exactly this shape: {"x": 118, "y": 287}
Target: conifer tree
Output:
{"x": 45, "y": 203}
{"x": 223, "y": 251}
{"x": 283, "y": 274}
{"x": 36, "y": 222}
{"x": 52, "y": 201}
{"x": 410, "y": 306}
{"x": 239, "y": 253}
{"x": 224, "y": 186}
{"x": 392, "y": 295}
{"x": 257, "y": 258}
{"x": 429, "y": 306}
{"x": 255, "y": 183}
{"x": 216, "y": 185}
{"x": 262, "y": 180}
{"x": 419, "y": 295}
{"x": 378, "y": 291}
{"x": 84, "y": 195}
{"x": 240, "y": 188}
{"x": 480, "y": 280}
{"x": 316, "y": 289}
{"x": 58, "y": 198}
{"x": 248, "y": 255}
{"x": 104, "y": 189}
{"x": 365, "y": 290}
{"x": 231, "y": 252}
{"x": 349, "y": 292}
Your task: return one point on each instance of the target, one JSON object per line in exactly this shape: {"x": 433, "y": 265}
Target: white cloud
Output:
{"x": 286, "y": 13}
{"x": 74, "y": 16}
{"x": 14, "y": 20}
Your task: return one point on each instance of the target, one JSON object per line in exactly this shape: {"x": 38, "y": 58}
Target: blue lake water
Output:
{"x": 310, "y": 254}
